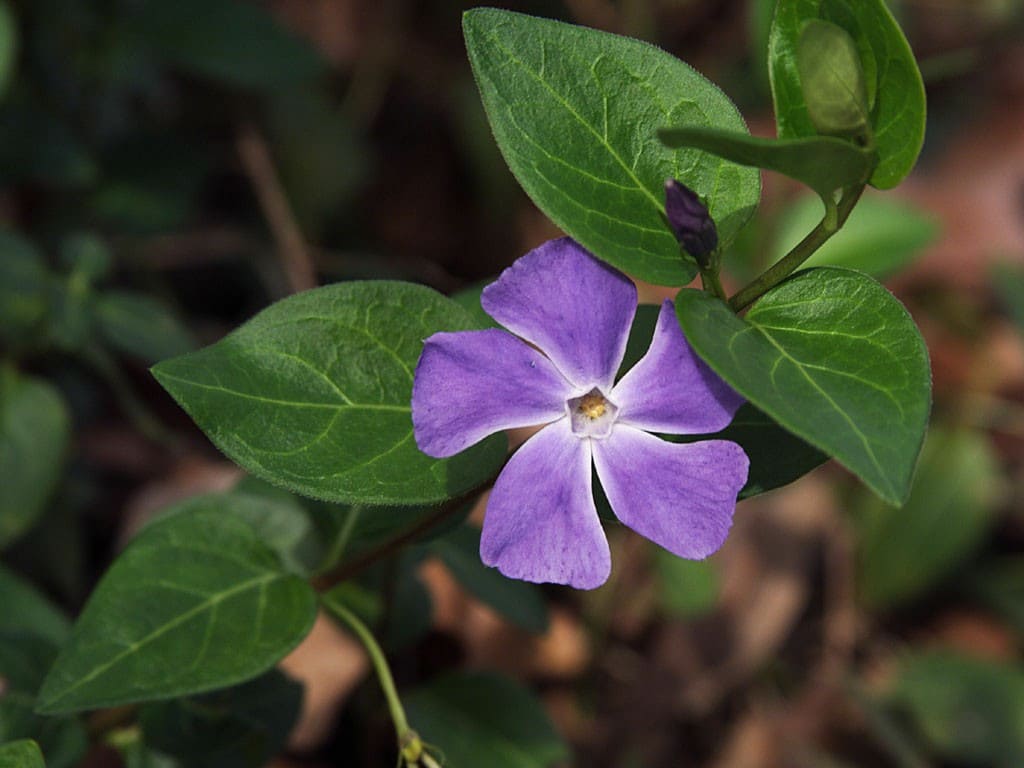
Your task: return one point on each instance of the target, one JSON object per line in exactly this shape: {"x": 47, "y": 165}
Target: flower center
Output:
{"x": 592, "y": 414}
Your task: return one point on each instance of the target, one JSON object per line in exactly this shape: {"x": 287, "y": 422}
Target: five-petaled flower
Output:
{"x": 569, "y": 316}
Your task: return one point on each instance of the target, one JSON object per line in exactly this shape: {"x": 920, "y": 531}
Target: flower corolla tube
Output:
{"x": 568, "y": 317}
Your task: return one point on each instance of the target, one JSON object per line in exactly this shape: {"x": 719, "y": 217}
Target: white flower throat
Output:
{"x": 592, "y": 414}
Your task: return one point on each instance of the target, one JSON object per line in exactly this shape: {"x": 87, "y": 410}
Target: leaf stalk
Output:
{"x": 829, "y": 225}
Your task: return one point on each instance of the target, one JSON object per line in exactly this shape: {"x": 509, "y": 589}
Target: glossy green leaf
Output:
{"x": 235, "y": 42}
{"x": 21, "y": 754}
{"x": 968, "y": 709}
{"x": 519, "y": 602}
{"x": 281, "y": 524}
{"x": 8, "y": 44}
{"x": 477, "y": 719}
{"x": 241, "y": 727}
{"x": 313, "y": 394}
{"x": 141, "y": 326}
{"x": 777, "y": 457}
{"x": 832, "y": 357}
{"x": 687, "y": 588}
{"x": 574, "y": 112}
{"x": 34, "y": 435}
{"x": 469, "y": 299}
{"x": 892, "y": 81}
{"x": 26, "y": 611}
{"x": 949, "y": 511}
{"x": 196, "y": 602}
{"x": 823, "y": 163}
{"x": 832, "y": 79}
{"x": 880, "y": 237}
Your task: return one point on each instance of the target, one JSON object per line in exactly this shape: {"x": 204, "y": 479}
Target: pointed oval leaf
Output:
{"x": 196, "y": 602}
{"x": 823, "y": 163}
{"x": 313, "y": 394}
{"x": 892, "y": 80}
{"x": 835, "y": 359}
{"x": 34, "y": 432}
{"x": 574, "y": 111}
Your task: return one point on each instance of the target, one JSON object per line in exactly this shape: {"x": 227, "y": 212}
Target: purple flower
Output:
{"x": 541, "y": 523}
{"x": 690, "y": 220}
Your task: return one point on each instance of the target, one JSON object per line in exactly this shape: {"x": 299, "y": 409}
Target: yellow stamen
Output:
{"x": 592, "y": 406}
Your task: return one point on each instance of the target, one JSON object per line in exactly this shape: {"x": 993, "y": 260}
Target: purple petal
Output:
{"x": 573, "y": 307}
{"x": 471, "y": 384}
{"x": 671, "y": 390}
{"x": 541, "y": 524}
{"x": 680, "y": 496}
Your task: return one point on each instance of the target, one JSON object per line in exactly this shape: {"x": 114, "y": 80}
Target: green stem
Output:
{"x": 833, "y": 221}
{"x": 709, "y": 279}
{"x": 342, "y": 571}
{"x": 341, "y": 540}
{"x": 409, "y": 744}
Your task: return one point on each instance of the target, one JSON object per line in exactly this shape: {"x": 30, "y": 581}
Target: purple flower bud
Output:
{"x": 690, "y": 220}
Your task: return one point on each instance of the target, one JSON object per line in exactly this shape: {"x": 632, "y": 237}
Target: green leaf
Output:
{"x": 24, "y": 290}
{"x": 950, "y": 509}
{"x": 235, "y": 42}
{"x": 832, "y": 80}
{"x": 574, "y": 112}
{"x": 196, "y": 602}
{"x": 880, "y": 237}
{"x": 968, "y": 709}
{"x": 283, "y": 525}
{"x": 141, "y": 326}
{"x": 777, "y": 457}
{"x": 478, "y": 719}
{"x": 21, "y": 754}
{"x": 34, "y": 434}
{"x": 688, "y": 588}
{"x": 26, "y": 611}
{"x": 893, "y": 86}
{"x": 241, "y": 727}
{"x": 469, "y": 299}
{"x": 517, "y": 601}
{"x": 823, "y": 163}
{"x": 313, "y": 394}
{"x": 835, "y": 359}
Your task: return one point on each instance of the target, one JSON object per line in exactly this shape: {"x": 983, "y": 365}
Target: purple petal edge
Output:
{"x": 576, "y": 309}
{"x": 671, "y": 390}
{"x": 680, "y": 496}
{"x": 471, "y": 384}
{"x": 541, "y": 524}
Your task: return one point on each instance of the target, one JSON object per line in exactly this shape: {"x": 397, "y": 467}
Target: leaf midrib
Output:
{"x": 207, "y": 604}
{"x": 350, "y": 405}
{"x": 579, "y": 118}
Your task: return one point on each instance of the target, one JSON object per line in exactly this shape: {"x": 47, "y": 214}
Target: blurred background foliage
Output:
{"x": 169, "y": 168}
